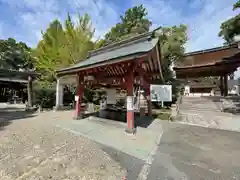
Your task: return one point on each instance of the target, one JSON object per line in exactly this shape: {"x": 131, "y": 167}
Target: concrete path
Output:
{"x": 112, "y": 134}
{"x": 188, "y": 152}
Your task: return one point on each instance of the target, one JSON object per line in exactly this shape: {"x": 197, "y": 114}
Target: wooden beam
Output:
{"x": 102, "y": 64}
{"x": 99, "y": 85}
{"x": 13, "y": 80}
{"x": 157, "y": 54}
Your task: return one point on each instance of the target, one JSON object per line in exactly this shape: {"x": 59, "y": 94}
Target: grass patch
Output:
{"x": 97, "y": 107}
{"x": 163, "y": 116}
{"x": 165, "y": 110}
{"x": 163, "y": 113}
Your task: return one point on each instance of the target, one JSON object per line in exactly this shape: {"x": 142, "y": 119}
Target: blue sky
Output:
{"x": 24, "y": 19}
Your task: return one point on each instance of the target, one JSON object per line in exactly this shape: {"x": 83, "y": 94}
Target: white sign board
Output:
{"x": 161, "y": 93}
{"x": 76, "y": 98}
{"x": 129, "y": 103}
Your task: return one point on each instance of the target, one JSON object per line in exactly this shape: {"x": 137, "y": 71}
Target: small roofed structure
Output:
{"x": 13, "y": 79}
{"x": 218, "y": 61}
{"x": 131, "y": 62}
{"x": 199, "y": 89}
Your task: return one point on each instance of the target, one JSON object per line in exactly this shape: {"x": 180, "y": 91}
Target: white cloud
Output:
{"x": 205, "y": 27}
{"x": 203, "y": 18}
{"x": 203, "y": 22}
{"x": 103, "y": 13}
{"x": 29, "y": 17}
{"x": 35, "y": 15}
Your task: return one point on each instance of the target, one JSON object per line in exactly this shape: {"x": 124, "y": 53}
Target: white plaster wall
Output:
{"x": 186, "y": 90}
{"x": 111, "y": 96}
{"x": 199, "y": 94}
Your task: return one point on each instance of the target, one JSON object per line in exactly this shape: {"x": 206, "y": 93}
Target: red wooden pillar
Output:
{"x": 149, "y": 100}
{"x": 130, "y": 110}
{"x": 78, "y": 97}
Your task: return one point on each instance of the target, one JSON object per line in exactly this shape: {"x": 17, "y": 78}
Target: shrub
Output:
{"x": 120, "y": 103}
{"x": 45, "y": 97}
{"x": 68, "y": 97}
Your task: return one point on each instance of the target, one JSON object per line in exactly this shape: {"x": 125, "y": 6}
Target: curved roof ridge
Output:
{"x": 228, "y": 46}
{"x": 126, "y": 42}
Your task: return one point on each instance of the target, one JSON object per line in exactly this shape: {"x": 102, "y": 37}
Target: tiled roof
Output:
{"x": 126, "y": 49}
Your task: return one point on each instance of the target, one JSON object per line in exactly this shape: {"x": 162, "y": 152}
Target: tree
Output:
{"x": 133, "y": 22}
{"x": 172, "y": 41}
{"x": 231, "y": 27}
{"x": 63, "y": 46}
{"x": 15, "y": 55}
{"x": 236, "y": 5}
{"x": 48, "y": 49}
{"x": 79, "y": 37}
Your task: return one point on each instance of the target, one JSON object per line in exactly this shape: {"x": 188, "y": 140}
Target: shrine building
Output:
{"x": 216, "y": 62}
{"x": 127, "y": 64}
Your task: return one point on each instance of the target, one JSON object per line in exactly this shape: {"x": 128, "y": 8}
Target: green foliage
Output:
{"x": 133, "y": 22}
{"x": 45, "y": 97}
{"x": 48, "y": 50}
{"x": 236, "y": 5}
{"x": 88, "y": 95}
{"x": 15, "y": 55}
{"x": 63, "y": 46}
{"x": 231, "y": 27}
{"x": 79, "y": 37}
{"x": 172, "y": 41}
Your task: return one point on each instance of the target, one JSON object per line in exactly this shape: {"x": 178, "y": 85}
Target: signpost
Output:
{"x": 130, "y": 103}
{"x": 161, "y": 93}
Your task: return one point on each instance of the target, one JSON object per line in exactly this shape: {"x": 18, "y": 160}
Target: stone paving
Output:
{"x": 203, "y": 112}
{"x": 31, "y": 148}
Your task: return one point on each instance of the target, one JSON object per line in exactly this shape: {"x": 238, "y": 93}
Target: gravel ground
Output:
{"x": 31, "y": 149}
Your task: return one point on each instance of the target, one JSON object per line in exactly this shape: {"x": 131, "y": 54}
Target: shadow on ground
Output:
{"x": 120, "y": 116}
{"x": 131, "y": 164}
{"x": 9, "y": 114}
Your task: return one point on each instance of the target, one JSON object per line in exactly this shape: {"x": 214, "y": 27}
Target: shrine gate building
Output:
{"x": 217, "y": 62}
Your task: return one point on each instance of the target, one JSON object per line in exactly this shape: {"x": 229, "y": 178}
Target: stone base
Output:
{"x": 78, "y": 117}
{"x": 130, "y": 131}
{"x": 30, "y": 109}
{"x": 59, "y": 108}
